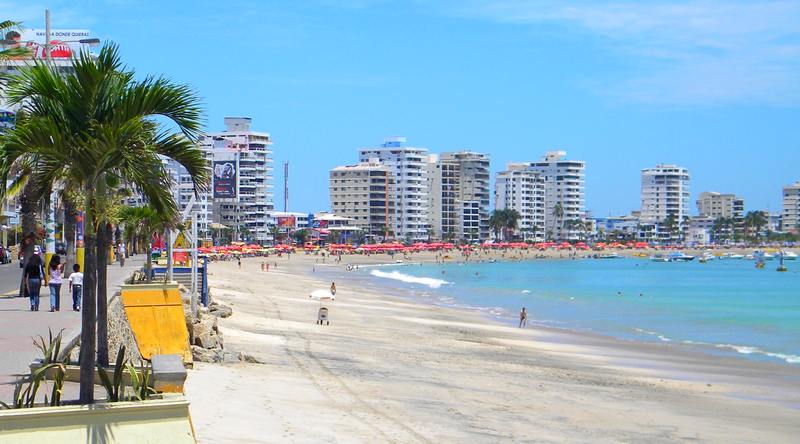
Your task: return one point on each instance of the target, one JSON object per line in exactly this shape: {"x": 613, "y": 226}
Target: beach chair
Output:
{"x": 323, "y": 316}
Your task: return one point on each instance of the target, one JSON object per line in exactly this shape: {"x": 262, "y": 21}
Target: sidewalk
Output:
{"x": 18, "y": 325}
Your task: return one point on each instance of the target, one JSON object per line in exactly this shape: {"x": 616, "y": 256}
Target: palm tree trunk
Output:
{"x": 149, "y": 267}
{"x": 103, "y": 237}
{"x": 70, "y": 214}
{"x": 27, "y": 203}
{"x": 89, "y": 303}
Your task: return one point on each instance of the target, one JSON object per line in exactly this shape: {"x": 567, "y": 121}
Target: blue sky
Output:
{"x": 710, "y": 85}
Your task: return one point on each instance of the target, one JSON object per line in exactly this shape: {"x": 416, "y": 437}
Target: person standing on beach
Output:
{"x": 239, "y": 261}
{"x": 523, "y": 318}
{"x": 333, "y": 288}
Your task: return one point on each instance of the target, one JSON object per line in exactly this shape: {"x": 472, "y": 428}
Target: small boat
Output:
{"x": 659, "y": 258}
{"x": 608, "y": 256}
{"x": 706, "y": 257}
{"x": 731, "y": 256}
{"x": 788, "y": 255}
{"x": 678, "y": 256}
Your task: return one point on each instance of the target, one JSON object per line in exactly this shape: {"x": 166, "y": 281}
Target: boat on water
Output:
{"x": 788, "y": 255}
{"x": 679, "y": 256}
{"x": 706, "y": 257}
{"x": 608, "y": 256}
{"x": 732, "y": 256}
{"x": 675, "y": 256}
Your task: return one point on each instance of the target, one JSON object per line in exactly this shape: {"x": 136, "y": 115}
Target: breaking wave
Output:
{"x": 397, "y": 276}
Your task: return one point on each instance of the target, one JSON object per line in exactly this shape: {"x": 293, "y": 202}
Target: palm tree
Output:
{"x": 512, "y": 218}
{"x": 94, "y": 129}
{"x": 755, "y": 220}
{"x": 275, "y": 231}
{"x": 7, "y": 29}
{"x": 497, "y": 222}
{"x": 670, "y": 225}
{"x": 558, "y": 215}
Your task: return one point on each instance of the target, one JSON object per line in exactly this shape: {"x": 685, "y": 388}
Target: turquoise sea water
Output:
{"x": 723, "y": 306}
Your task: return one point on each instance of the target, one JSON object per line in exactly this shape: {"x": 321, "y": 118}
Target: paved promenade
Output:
{"x": 18, "y": 325}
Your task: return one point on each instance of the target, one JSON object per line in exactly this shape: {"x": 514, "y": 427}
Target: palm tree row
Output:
{"x": 93, "y": 131}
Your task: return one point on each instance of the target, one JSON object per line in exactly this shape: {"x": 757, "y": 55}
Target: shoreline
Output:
{"x": 392, "y": 369}
{"x": 698, "y": 361}
{"x": 383, "y": 283}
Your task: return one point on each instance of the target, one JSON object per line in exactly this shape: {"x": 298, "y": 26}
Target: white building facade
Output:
{"x": 523, "y": 190}
{"x": 241, "y": 196}
{"x": 665, "y": 192}
{"x": 363, "y": 193}
{"x": 564, "y": 192}
{"x": 717, "y": 205}
{"x": 459, "y": 196}
{"x": 790, "y": 210}
{"x": 409, "y": 168}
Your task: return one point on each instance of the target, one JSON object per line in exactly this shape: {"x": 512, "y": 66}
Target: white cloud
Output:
{"x": 710, "y": 52}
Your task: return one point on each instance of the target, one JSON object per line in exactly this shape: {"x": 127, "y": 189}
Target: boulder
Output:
{"x": 219, "y": 310}
{"x": 205, "y": 334}
{"x": 201, "y": 354}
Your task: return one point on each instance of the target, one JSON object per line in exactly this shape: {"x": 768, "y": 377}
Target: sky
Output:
{"x": 711, "y": 85}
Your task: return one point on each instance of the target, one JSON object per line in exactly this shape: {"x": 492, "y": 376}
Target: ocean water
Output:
{"x": 722, "y": 307}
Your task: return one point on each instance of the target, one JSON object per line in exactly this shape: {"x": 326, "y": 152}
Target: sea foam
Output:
{"x": 396, "y": 275}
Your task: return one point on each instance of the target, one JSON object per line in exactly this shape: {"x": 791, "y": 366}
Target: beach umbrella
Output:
{"x": 322, "y": 295}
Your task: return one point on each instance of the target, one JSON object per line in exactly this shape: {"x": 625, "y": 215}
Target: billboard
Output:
{"x": 63, "y": 42}
{"x": 6, "y": 119}
{"x": 286, "y": 221}
{"x": 224, "y": 179}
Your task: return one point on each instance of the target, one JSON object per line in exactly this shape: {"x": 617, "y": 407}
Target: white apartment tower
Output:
{"x": 363, "y": 193}
{"x": 564, "y": 188}
{"x": 790, "y": 213}
{"x": 241, "y": 163}
{"x": 522, "y": 189}
{"x": 717, "y": 205}
{"x": 459, "y": 195}
{"x": 409, "y": 168}
{"x": 665, "y": 192}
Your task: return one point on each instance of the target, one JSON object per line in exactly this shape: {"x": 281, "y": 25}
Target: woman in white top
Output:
{"x": 56, "y": 271}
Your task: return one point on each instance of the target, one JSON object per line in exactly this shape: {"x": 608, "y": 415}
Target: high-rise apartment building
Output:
{"x": 363, "y": 193}
{"x": 665, "y": 191}
{"x": 564, "y": 192}
{"x": 522, "y": 189}
{"x": 716, "y": 205}
{"x": 459, "y": 195}
{"x": 790, "y": 212}
{"x": 409, "y": 167}
{"x": 241, "y": 163}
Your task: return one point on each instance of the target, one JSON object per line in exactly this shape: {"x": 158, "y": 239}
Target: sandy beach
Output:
{"x": 388, "y": 369}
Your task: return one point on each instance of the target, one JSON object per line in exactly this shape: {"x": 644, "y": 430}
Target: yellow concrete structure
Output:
{"x": 159, "y": 420}
{"x": 155, "y": 314}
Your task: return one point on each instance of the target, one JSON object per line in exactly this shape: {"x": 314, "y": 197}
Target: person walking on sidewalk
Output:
{"x": 34, "y": 272}
{"x": 121, "y": 253}
{"x": 55, "y": 269}
{"x": 76, "y": 286}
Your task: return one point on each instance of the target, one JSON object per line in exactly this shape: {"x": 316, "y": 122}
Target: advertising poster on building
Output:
{"x": 224, "y": 179}
{"x": 64, "y": 43}
{"x": 286, "y": 221}
{"x": 7, "y": 119}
